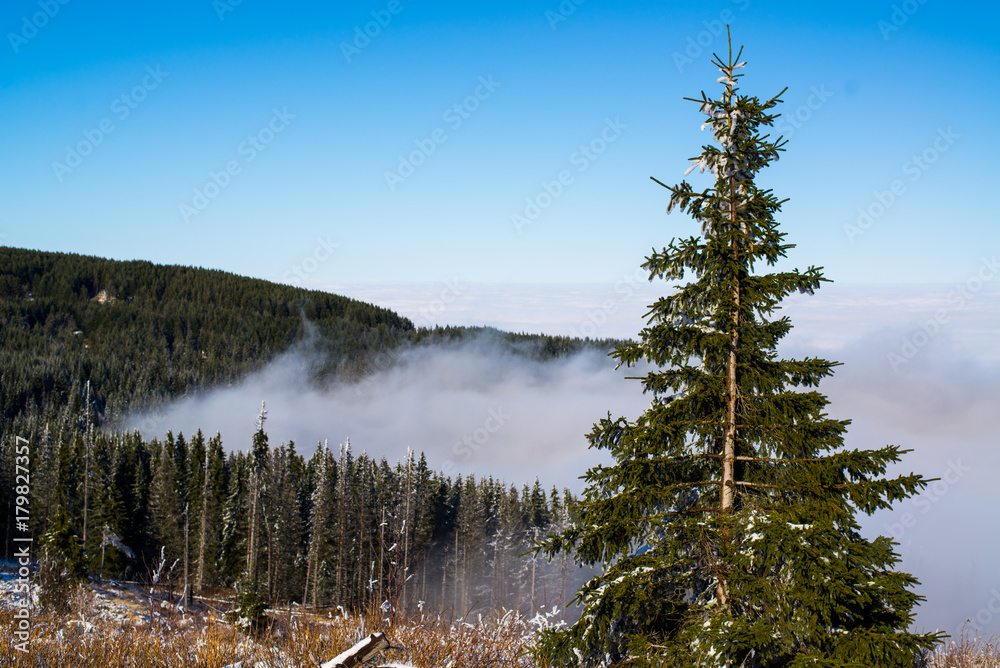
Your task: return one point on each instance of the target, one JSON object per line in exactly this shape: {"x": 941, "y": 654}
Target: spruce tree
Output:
{"x": 321, "y": 508}
{"x": 166, "y": 505}
{"x": 233, "y": 538}
{"x": 726, "y": 526}
{"x": 258, "y": 485}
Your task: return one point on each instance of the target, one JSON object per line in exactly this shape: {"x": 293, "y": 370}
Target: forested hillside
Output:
{"x": 83, "y": 339}
{"x": 141, "y": 333}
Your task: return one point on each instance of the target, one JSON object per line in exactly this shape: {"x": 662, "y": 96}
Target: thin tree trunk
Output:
{"x": 497, "y": 591}
{"x": 406, "y": 532}
{"x": 729, "y": 445}
{"x": 200, "y": 579}
{"x": 423, "y": 580}
{"x": 340, "y": 544}
{"x": 187, "y": 535}
{"x": 315, "y": 578}
{"x": 305, "y": 591}
{"x": 252, "y": 538}
{"x": 86, "y": 475}
{"x": 381, "y": 556}
{"x": 444, "y": 576}
{"x": 455, "y": 578}
{"x": 271, "y": 563}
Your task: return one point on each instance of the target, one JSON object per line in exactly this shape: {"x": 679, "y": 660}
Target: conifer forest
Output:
{"x": 319, "y": 524}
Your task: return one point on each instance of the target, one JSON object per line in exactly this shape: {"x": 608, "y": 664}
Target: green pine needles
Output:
{"x": 726, "y": 525}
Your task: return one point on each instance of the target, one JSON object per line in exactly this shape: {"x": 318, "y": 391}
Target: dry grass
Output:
{"x": 967, "y": 652}
{"x": 105, "y": 629}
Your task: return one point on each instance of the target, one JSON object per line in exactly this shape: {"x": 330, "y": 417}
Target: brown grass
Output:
{"x": 104, "y": 631}
{"x": 967, "y": 652}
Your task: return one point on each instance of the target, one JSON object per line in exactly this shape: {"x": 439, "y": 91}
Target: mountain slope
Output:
{"x": 141, "y": 332}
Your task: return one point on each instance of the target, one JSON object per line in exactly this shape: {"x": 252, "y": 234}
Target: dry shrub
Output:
{"x": 966, "y": 652}
{"x": 87, "y": 637}
{"x": 58, "y": 583}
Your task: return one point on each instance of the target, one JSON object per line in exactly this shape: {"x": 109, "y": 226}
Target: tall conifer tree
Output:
{"x": 726, "y": 527}
{"x": 319, "y": 520}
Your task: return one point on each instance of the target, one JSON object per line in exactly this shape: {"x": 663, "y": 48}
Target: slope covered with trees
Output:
{"x": 83, "y": 339}
{"x": 141, "y": 333}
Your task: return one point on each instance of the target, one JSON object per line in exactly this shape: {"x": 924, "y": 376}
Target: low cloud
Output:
{"x": 472, "y": 408}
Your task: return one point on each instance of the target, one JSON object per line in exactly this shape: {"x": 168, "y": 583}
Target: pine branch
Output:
{"x": 661, "y": 183}
{"x": 656, "y": 516}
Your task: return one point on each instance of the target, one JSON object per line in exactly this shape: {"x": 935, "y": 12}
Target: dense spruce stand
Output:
{"x": 87, "y": 341}
{"x": 726, "y": 526}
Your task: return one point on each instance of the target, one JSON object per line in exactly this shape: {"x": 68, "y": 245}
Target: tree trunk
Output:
{"x": 187, "y": 534}
{"x": 305, "y": 591}
{"x": 86, "y": 476}
{"x": 729, "y": 445}
{"x": 200, "y": 578}
{"x": 406, "y": 532}
{"x": 252, "y": 538}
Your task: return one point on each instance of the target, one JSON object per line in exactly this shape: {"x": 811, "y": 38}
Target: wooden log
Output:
{"x": 361, "y": 653}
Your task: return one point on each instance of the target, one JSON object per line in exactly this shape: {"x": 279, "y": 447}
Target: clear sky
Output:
{"x": 116, "y": 113}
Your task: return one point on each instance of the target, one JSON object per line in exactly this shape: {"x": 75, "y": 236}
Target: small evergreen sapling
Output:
{"x": 726, "y": 525}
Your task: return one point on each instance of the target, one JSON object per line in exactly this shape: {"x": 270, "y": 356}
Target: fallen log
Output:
{"x": 361, "y": 653}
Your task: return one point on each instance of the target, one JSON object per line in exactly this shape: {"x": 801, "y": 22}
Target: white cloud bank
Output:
{"x": 469, "y": 408}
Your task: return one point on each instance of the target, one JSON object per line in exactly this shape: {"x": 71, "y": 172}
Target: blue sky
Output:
{"x": 864, "y": 98}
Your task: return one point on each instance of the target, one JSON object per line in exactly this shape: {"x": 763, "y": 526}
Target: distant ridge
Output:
{"x": 142, "y": 333}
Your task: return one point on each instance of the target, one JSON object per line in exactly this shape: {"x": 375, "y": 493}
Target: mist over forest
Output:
{"x": 472, "y": 407}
